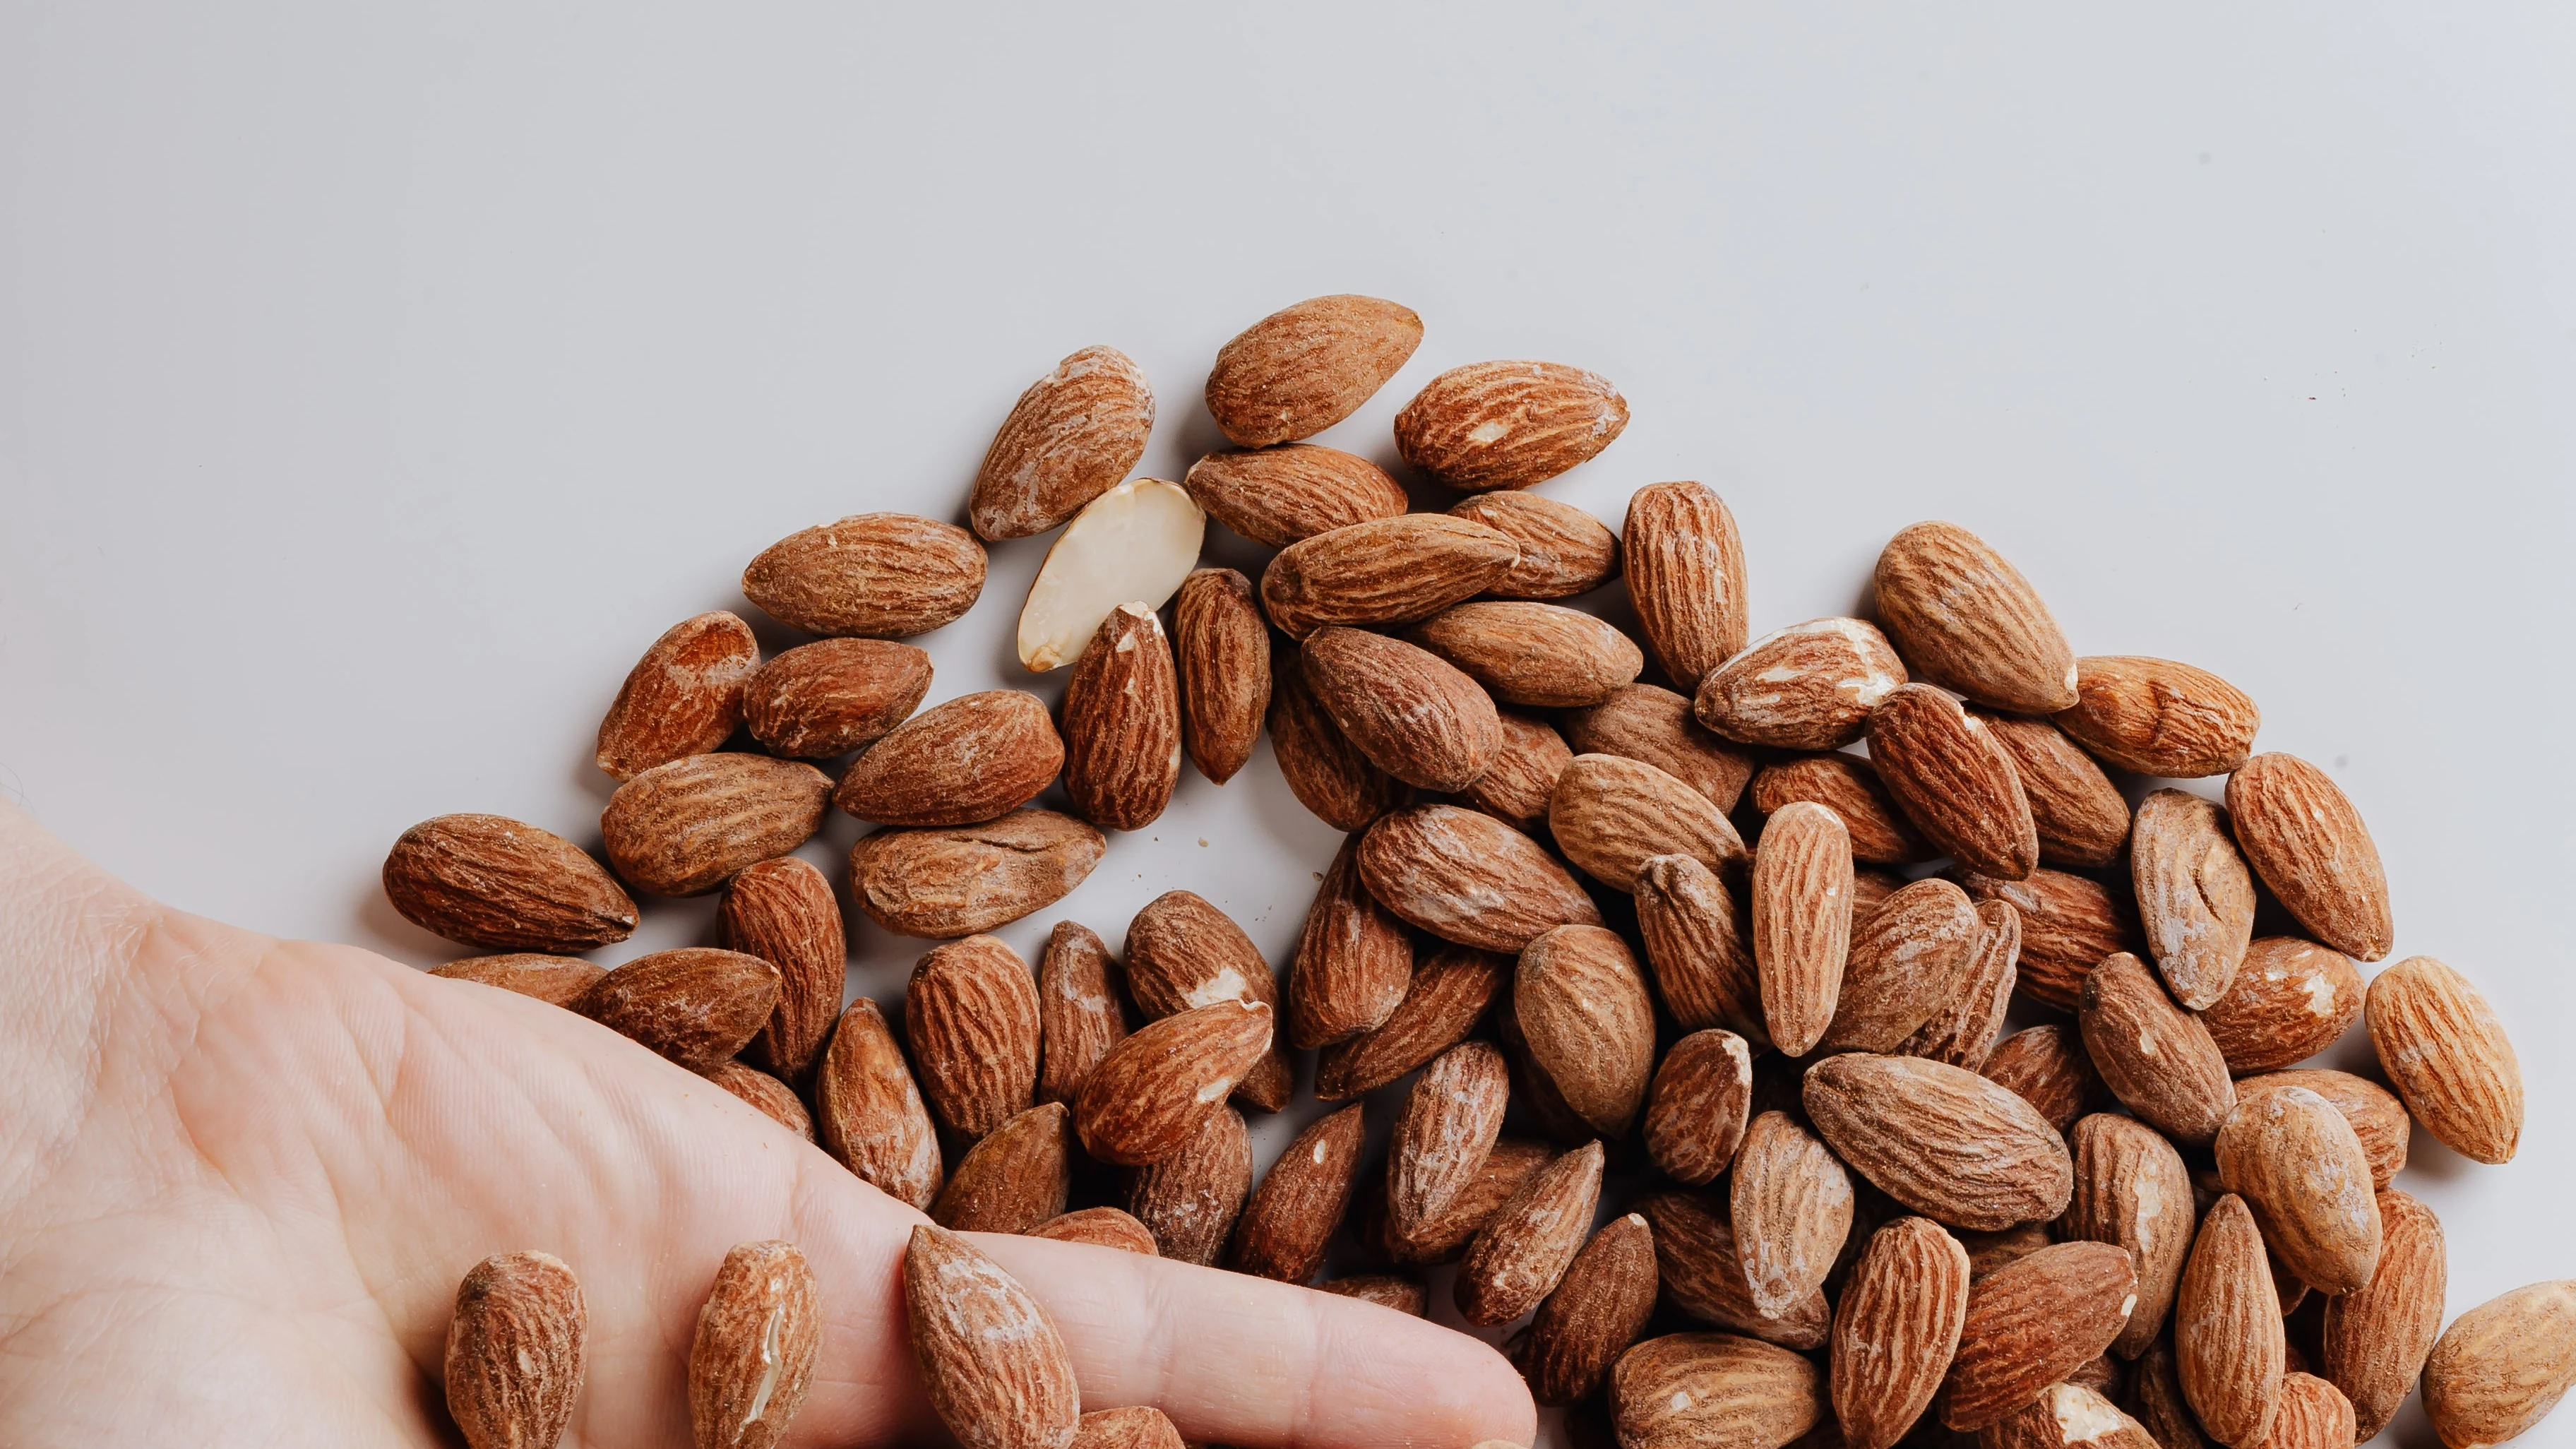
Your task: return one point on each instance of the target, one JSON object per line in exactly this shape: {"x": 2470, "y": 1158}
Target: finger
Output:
{"x": 1242, "y": 1360}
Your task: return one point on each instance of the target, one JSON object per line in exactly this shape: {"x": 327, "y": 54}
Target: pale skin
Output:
{"x": 240, "y": 1178}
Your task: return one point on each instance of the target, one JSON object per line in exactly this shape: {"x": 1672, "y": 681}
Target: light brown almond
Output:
{"x": 1184, "y": 953}
{"x": 1154, "y": 1090}
{"x": 2195, "y": 897}
{"x": 1306, "y": 367}
{"x": 1100, "y": 1227}
{"x": 868, "y": 1110}
{"x": 2295, "y": 1161}
{"x": 2290, "y": 1000}
{"x": 1545, "y": 656}
{"x": 1015, "y": 1179}
{"x": 1122, "y": 723}
{"x": 2377, "y": 1117}
{"x": 555, "y": 980}
{"x": 773, "y": 1098}
{"x": 1138, "y": 1426}
{"x": 1895, "y": 1330}
{"x": 2033, "y": 1323}
{"x": 1399, "y": 1291}
{"x": 758, "y": 1336}
{"x": 1944, "y": 770}
{"x": 1301, "y": 1201}
{"x": 1686, "y": 578}
{"x": 518, "y": 1348}
{"x": 1522, "y": 1250}
{"x": 1070, "y": 438}
{"x": 1713, "y": 1391}
{"x": 686, "y": 827}
{"x": 2375, "y": 1339}
{"x": 970, "y": 1015}
{"x": 2228, "y": 1341}
{"x": 2131, "y": 1189}
{"x": 1810, "y": 686}
{"x": 1353, "y": 962}
{"x": 1703, "y": 1276}
{"x": 2448, "y": 1056}
{"x": 695, "y": 1006}
{"x": 1495, "y": 425}
{"x": 1966, "y": 619}
{"x": 1598, "y": 1308}
{"x": 993, "y": 1365}
{"x": 1912, "y": 954}
{"x": 1222, "y": 646}
{"x": 967, "y": 878}
{"x": 1650, "y": 723}
{"x": 1469, "y": 878}
{"x": 1696, "y": 1110}
{"x": 1701, "y": 948}
{"x": 2082, "y": 818}
{"x": 1445, "y": 1238}
{"x": 1276, "y": 496}
{"x": 1383, "y": 571}
{"x": 1189, "y": 1197}
{"x": 1581, "y": 1005}
{"x": 1447, "y": 995}
{"x": 2046, "y": 1066}
{"x": 2069, "y": 923}
{"x": 834, "y": 695}
{"x": 488, "y": 880}
{"x": 684, "y": 697}
{"x": 2314, "y": 1414}
{"x": 1943, "y": 1141}
{"x": 2156, "y": 1057}
{"x": 1801, "y": 901}
{"x": 2503, "y": 1365}
{"x": 1963, "y": 1027}
{"x": 1413, "y": 714}
{"x": 1447, "y": 1126}
{"x": 1989, "y": 1251}
{"x": 875, "y": 575}
{"x": 1523, "y": 773}
{"x": 2069, "y": 1416}
{"x": 1791, "y": 1207}
{"x": 1849, "y": 786}
{"x": 1079, "y": 1015}
{"x": 2159, "y": 717}
{"x": 1548, "y": 1111}
{"x": 1564, "y": 550}
{"x": 971, "y": 759}
{"x": 1324, "y": 770}
{"x": 2301, "y": 834}
{"x": 1610, "y": 815}
{"x": 783, "y": 912}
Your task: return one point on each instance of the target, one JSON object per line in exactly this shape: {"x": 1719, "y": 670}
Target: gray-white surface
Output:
{"x": 374, "y": 384}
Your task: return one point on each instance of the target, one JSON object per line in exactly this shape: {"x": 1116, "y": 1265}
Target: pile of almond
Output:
{"x": 1622, "y": 920}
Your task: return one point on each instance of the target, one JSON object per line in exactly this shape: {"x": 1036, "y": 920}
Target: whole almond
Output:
{"x": 967, "y": 878}
{"x": 2156, "y": 1057}
{"x": 1910, "y": 956}
{"x": 2503, "y": 1365}
{"x": 1122, "y": 723}
{"x": 1547, "y": 1108}
{"x": 1222, "y": 646}
{"x": 1564, "y": 550}
{"x": 1896, "y": 1329}
{"x": 1802, "y": 921}
{"x": 2158, "y": 717}
{"x": 1610, "y": 815}
{"x": 2195, "y": 898}
{"x": 684, "y": 697}
{"x": 1700, "y": 947}
{"x": 995, "y": 1370}
{"x": 2082, "y": 818}
{"x": 1686, "y": 578}
{"x": 1703, "y": 1275}
{"x": 1989, "y": 1251}
{"x": 1135, "y": 543}
{"x": 1545, "y": 656}
{"x": 2295, "y": 1161}
{"x": 1447, "y": 995}
{"x": 1810, "y": 686}
{"x": 1184, "y": 953}
{"x": 555, "y": 980}
{"x": 1139, "y": 1426}
{"x": 1523, "y": 1250}
{"x": 1598, "y": 1308}
{"x": 1444, "y": 1239}
{"x": 2313, "y": 1414}
{"x": 783, "y": 912}
{"x": 1849, "y": 786}
{"x": 2377, "y": 1117}
{"x": 1651, "y": 723}
{"x": 834, "y": 695}
{"x": 1079, "y": 1016}
{"x": 1871, "y": 887}
{"x": 1469, "y": 878}
{"x": 2069, "y": 1416}
{"x": 2157, "y": 1398}
{"x": 1383, "y": 571}
{"x": 1353, "y": 962}
{"x": 1157, "y": 1088}
{"x": 1276, "y": 496}
{"x": 1962, "y": 1029}
{"x": 868, "y": 1110}
{"x": 2290, "y": 1000}
{"x": 1100, "y": 1227}
{"x": 752, "y": 1361}
{"x": 1189, "y": 1197}
{"x": 2033, "y": 1323}
{"x": 875, "y": 575}
{"x": 1695, "y": 1112}
{"x": 518, "y": 1349}
{"x": 1413, "y": 714}
{"x": 1581, "y": 1005}
{"x": 1015, "y": 1179}
{"x": 1522, "y": 774}
{"x": 974, "y": 758}
{"x": 2303, "y": 837}
{"x": 1495, "y": 425}
{"x": 1713, "y": 1391}
{"x": 2045, "y": 1065}
{"x": 2132, "y": 1190}
{"x": 1301, "y": 1201}
{"x": 2228, "y": 1341}
{"x": 1324, "y": 770}
{"x": 695, "y": 1006}
{"x": 488, "y": 880}
{"x": 1944, "y": 770}
{"x": 1966, "y": 619}
{"x": 1306, "y": 367}
{"x": 1071, "y": 437}
{"x": 2447, "y": 1055}
{"x": 1442, "y": 1134}
{"x": 1791, "y": 1207}
{"x": 970, "y": 1015}
{"x": 1945, "y": 1142}
{"x": 686, "y": 827}
{"x": 1398, "y": 1291}
{"x": 2068, "y": 924}
{"x": 773, "y": 1098}
{"x": 2375, "y": 1339}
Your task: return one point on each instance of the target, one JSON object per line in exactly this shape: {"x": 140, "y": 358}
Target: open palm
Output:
{"x": 240, "y": 1178}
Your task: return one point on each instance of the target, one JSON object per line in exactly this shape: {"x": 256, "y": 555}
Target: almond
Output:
{"x": 1136, "y": 1427}
{"x": 1695, "y": 1112}
{"x": 1849, "y": 786}
{"x": 491, "y": 881}
{"x": 1223, "y": 650}
{"x": 1387, "y": 1290}
{"x": 1444, "y": 1239}
{"x": 2375, "y": 1339}
{"x": 1157, "y": 1088}
{"x": 1686, "y": 578}
{"x": 1079, "y": 1017}
{"x": 1384, "y": 571}
{"x": 1945, "y": 1142}
{"x": 1989, "y": 1251}
{"x": 1353, "y": 962}
{"x": 2068, "y": 1416}
{"x": 1802, "y": 916}
{"x": 1122, "y": 723}
{"x": 1896, "y": 1329}
{"x": 1447, "y": 995}
{"x": 1069, "y": 439}
{"x": 1962, "y": 1028}
{"x": 684, "y": 697}
{"x": 2290, "y": 1000}
{"x": 968, "y": 878}
{"x": 1132, "y": 544}
{"x": 1611, "y": 815}
{"x": 2033, "y": 1323}
{"x": 2295, "y": 1161}
{"x": 752, "y": 1361}
{"x": 1410, "y": 712}
{"x": 834, "y": 695}
{"x": 1324, "y": 770}
{"x": 1944, "y": 770}
{"x": 2447, "y": 1055}
{"x": 2194, "y": 895}
{"x": 1542, "y": 655}
{"x": 970, "y": 1014}
{"x": 1701, "y": 950}
{"x": 1276, "y": 496}
{"x": 2378, "y": 1119}
{"x": 875, "y": 575}
{"x": 555, "y": 980}
{"x": 1713, "y": 1391}
{"x": 773, "y": 1098}
{"x": 1548, "y": 1111}
{"x": 2228, "y": 1342}
{"x": 2068, "y": 924}
{"x": 1598, "y": 1308}
{"x": 1189, "y": 1197}
{"x": 2159, "y": 1403}
{"x": 1791, "y": 1209}
{"x": 2132, "y": 1190}
{"x": 2303, "y": 837}
{"x": 695, "y": 1006}
{"x": 1100, "y": 1227}
{"x": 1810, "y": 686}
{"x": 975, "y": 758}
{"x": 995, "y": 1369}
{"x": 686, "y": 827}
{"x": 1910, "y": 956}
{"x": 1442, "y": 1135}
{"x": 2158, "y": 717}
{"x": 2045, "y": 1065}
{"x": 1184, "y": 953}
{"x": 1703, "y": 1275}
{"x": 2157, "y": 1058}
{"x": 1469, "y": 878}
{"x": 1966, "y": 619}
{"x": 518, "y": 1349}
{"x": 1581, "y": 1005}
{"x": 1522, "y": 1250}
{"x": 1871, "y": 887}
{"x": 783, "y": 912}
{"x": 2082, "y": 818}
{"x": 2503, "y": 1365}
{"x": 1492, "y": 425}
{"x": 868, "y": 1110}
{"x": 1650, "y": 723}
{"x": 1015, "y": 1179}
{"x": 1523, "y": 773}
{"x": 1564, "y": 550}
{"x": 1301, "y": 1201}
{"x": 2314, "y": 1414}
{"x": 1304, "y": 368}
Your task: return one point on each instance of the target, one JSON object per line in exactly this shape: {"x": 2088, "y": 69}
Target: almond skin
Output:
{"x": 1324, "y": 770}
{"x": 488, "y": 880}
{"x": 1353, "y": 962}
{"x": 518, "y": 1349}
{"x": 1695, "y": 1112}
{"x": 2290, "y": 999}
{"x": 684, "y": 697}
{"x": 1136, "y": 1427}
{"x": 1611, "y": 815}
{"x": 1306, "y": 367}
{"x": 555, "y": 980}
{"x": 1190, "y": 1197}
{"x": 962, "y": 879}
{"x": 1650, "y": 723}
{"x": 1492, "y": 425}
{"x": 2045, "y": 1065}
{"x": 2068, "y": 924}
{"x": 1848, "y": 786}
{"x": 752, "y": 1361}
{"x": 783, "y": 912}
{"x": 2195, "y": 896}
{"x": 1598, "y": 1308}
{"x": 868, "y": 1110}
{"x": 874, "y": 575}
{"x": 1300, "y": 1203}
{"x": 1945, "y": 771}
{"x": 2228, "y": 1341}
{"x": 2503, "y": 1365}
{"x": 1156, "y": 1089}
{"x": 1448, "y": 994}
{"x": 2301, "y": 834}
{"x": 2157, "y": 1058}
{"x": 1686, "y": 578}
{"x": 1802, "y": 921}
{"x": 2378, "y": 1119}
{"x": 2082, "y": 818}
{"x": 1945, "y": 1142}
{"x": 1896, "y": 1329}
{"x": 1469, "y": 878}
{"x": 1413, "y": 714}
{"x": 1564, "y": 550}
{"x": 1522, "y": 1251}
{"x": 2159, "y": 717}
{"x": 1070, "y": 438}
{"x": 2031, "y": 1325}
{"x": 1079, "y": 1016}
{"x": 1962, "y": 1029}
{"x": 1015, "y": 1179}
{"x": 1701, "y": 948}
{"x": 974, "y": 758}
{"x": 1912, "y": 954}
{"x": 834, "y": 695}
{"x": 1791, "y": 1208}
{"x": 2375, "y": 1339}
{"x": 1100, "y": 1227}
{"x": 994, "y": 1368}
{"x": 1184, "y": 953}
{"x": 773, "y": 1098}
{"x": 1276, "y": 496}
{"x": 1522, "y": 775}
{"x": 970, "y": 1015}
{"x": 2132, "y": 1190}
{"x": 688, "y": 826}
{"x": 1581, "y": 1005}
{"x": 1384, "y": 571}
{"x": 1222, "y": 647}
{"x": 1713, "y": 1391}
{"x": 695, "y": 1006}
{"x": 1544, "y": 656}
{"x": 2448, "y": 1057}
{"x": 1966, "y": 619}
{"x": 1810, "y": 686}
{"x": 1447, "y": 1126}
{"x": 1122, "y": 723}
{"x": 1703, "y": 1275}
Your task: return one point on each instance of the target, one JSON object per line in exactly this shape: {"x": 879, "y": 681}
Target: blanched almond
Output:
{"x": 1132, "y": 544}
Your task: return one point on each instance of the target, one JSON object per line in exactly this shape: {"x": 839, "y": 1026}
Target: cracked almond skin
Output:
{"x": 685, "y": 828}
{"x": 1277, "y": 496}
{"x": 958, "y": 880}
{"x": 2448, "y": 1057}
{"x": 1962, "y": 1030}
{"x": 783, "y": 912}
{"x": 1412, "y": 713}
{"x": 2302, "y": 836}
{"x": 555, "y": 980}
{"x": 1542, "y": 656}
{"x": 1079, "y": 1014}
{"x": 2082, "y": 818}
{"x": 868, "y": 1110}
{"x": 1449, "y": 993}
{"x": 1943, "y": 1141}
{"x": 1189, "y": 1197}
{"x": 2156, "y": 1057}
{"x": 1354, "y": 961}
{"x": 1696, "y": 1109}
{"x": 1015, "y": 1179}
{"x": 2159, "y": 717}
{"x": 1384, "y": 571}
{"x": 1139, "y": 1426}
{"x": 2229, "y": 1347}
{"x": 1307, "y": 366}
{"x": 1713, "y": 1391}
{"x": 1122, "y": 723}
{"x": 1895, "y": 1330}
{"x": 1810, "y": 686}
{"x": 1522, "y": 1251}
{"x": 1696, "y": 1261}
{"x": 1326, "y": 772}
{"x": 1301, "y": 1201}
{"x": 1072, "y": 436}
{"x": 1965, "y": 619}
{"x": 1801, "y": 898}
{"x": 1651, "y": 723}
{"x": 973, "y": 758}
{"x": 1580, "y": 1005}
{"x": 2195, "y": 897}
{"x": 1790, "y": 1204}
{"x": 2375, "y": 1340}
{"x": 1700, "y": 947}
{"x": 1399, "y": 1291}
{"x": 834, "y": 695}
{"x": 1610, "y": 815}
{"x": 1222, "y": 646}
{"x": 872, "y": 575}
{"x": 2068, "y": 1416}
{"x": 1523, "y": 774}
{"x": 1154, "y": 1090}
{"x": 2069, "y": 923}
{"x": 2032, "y": 1324}
{"x": 1596, "y": 1310}
{"x": 2290, "y": 999}
{"x": 1469, "y": 878}
{"x": 488, "y": 880}
{"x": 1564, "y": 550}
{"x": 752, "y": 1360}
{"x": 771, "y": 1097}
{"x": 2133, "y": 1191}
{"x": 1849, "y": 786}
{"x": 1910, "y": 955}
{"x": 2298, "y": 1165}
{"x": 695, "y": 1006}
{"x": 2503, "y": 1365}
{"x": 992, "y": 1364}
{"x": 1943, "y": 768}
{"x": 1491, "y": 425}
{"x": 1443, "y": 1133}
{"x": 1686, "y": 579}
{"x": 1100, "y": 1227}
{"x": 518, "y": 1349}
{"x": 684, "y": 697}
{"x": 970, "y": 1015}
{"x": 1183, "y": 953}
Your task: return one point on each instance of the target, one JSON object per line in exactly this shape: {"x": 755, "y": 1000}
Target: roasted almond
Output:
{"x": 2374, "y": 1340}
{"x": 1277, "y": 496}
{"x": 1695, "y": 1111}
{"x": 1962, "y": 1028}
{"x": 2156, "y": 1057}
{"x": 1521, "y": 1252}
{"x": 783, "y": 912}
{"x": 1138, "y": 1426}
{"x": 695, "y": 1006}
{"x": 1222, "y": 646}
{"x": 1100, "y": 1227}
{"x": 1848, "y": 786}
{"x": 993, "y": 1366}
{"x": 1523, "y": 773}
{"x": 1015, "y": 1179}
{"x": 1353, "y": 962}
{"x": 752, "y": 1361}
{"x": 1911, "y": 955}
{"x": 1545, "y": 656}
{"x": 2195, "y": 897}
{"x": 2132, "y": 1190}
{"x": 974, "y": 758}
{"x": 1132, "y": 544}
{"x": 555, "y": 980}
{"x": 2158, "y": 717}
{"x": 2503, "y": 1365}
{"x": 1306, "y": 367}
{"x": 868, "y": 1110}
{"x": 2303, "y": 837}
{"x": 1448, "y": 994}
{"x": 1650, "y": 723}
{"x": 1324, "y": 770}
{"x": 1802, "y": 921}
{"x": 2068, "y": 924}
{"x": 1686, "y": 578}
{"x": 773, "y": 1098}
{"x": 688, "y": 826}
{"x": 1189, "y": 1197}
{"x": 1383, "y": 571}
{"x": 970, "y": 1015}
{"x": 1301, "y": 1201}
{"x": 2228, "y": 1341}
{"x": 1469, "y": 878}
{"x": 488, "y": 880}
{"x": 876, "y": 575}
{"x": 1598, "y": 1308}
{"x": 684, "y": 697}
{"x": 1700, "y": 947}
{"x": 2290, "y": 1000}
{"x": 2377, "y": 1117}
{"x": 1943, "y": 1141}
{"x": 1703, "y": 1275}
{"x": 1895, "y": 1330}
{"x": 2031, "y": 1325}
{"x": 1079, "y": 1016}
{"x": 2069, "y": 1416}
{"x": 2082, "y": 818}
{"x": 1442, "y": 1134}
{"x": 2157, "y": 1398}
{"x": 1564, "y": 550}
{"x": 1184, "y": 953}
{"x": 1791, "y": 1207}
{"x": 518, "y": 1348}
{"x": 1610, "y": 815}
{"x": 1966, "y": 619}
{"x": 1413, "y": 714}
{"x": 1944, "y": 770}
{"x": 2045, "y": 1065}
{"x": 1154, "y": 1090}
{"x": 2314, "y": 1414}
{"x": 1989, "y": 1251}
{"x": 967, "y": 878}
{"x": 834, "y": 695}
{"x": 1713, "y": 1391}
{"x": 1122, "y": 723}
{"x": 2447, "y": 1055}
{"x": 1399, "y": 1291}
{"x": 1581, "y": 1005}
{"x": 1810, "y": 686}
{"x": 1071, "y": 437}
{"x": 1495, "y": 425}
{"x": 1444, "y": 1239}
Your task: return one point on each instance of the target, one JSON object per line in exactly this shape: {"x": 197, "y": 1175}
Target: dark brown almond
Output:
{"x": 2377, "y": 1117}
{"x": 555, "y": 980}
{"x": 1810, "y": 686}
{"x": 834, "y": 695}
{"x": 1079, "y": 1014}
{"x": 1384, "y": 571}
{"x": 1447, "y": 995}
{"x": 1139, "y": 1426}
{"x": 2301, "y": 834}
{"x": 1713, "y": 1391}
{"x": 2156, "y": 1057}
{"x": 1413, "y": 714}
{"x": 869, "y": 1113}
{"x": 1581, "y": 1005}
{"x": 1401, "y": 1292}
{"x": 1700, "y": 948}
{"x": 1564, "y": 550}
{"x": 695, "y": 1006}
{"x": 1353, "y": 962}
{"x": 1896, "y": 1329}
{"x": 1912, "y": 954}
{"x": 2228, "y": 1341}
{"x": 1650, "y": 723}
{"x": 1535, "y": 1090}
{"x": 1469, "y": 878}
{"x": 1791, "y": 1207}
{"x": 775, "y": 1099}
{"x": 2448, "y": 1056}
{"x": 488, "y": 880}
{"x": 2158, "y": 717}
{"x": 1989, "y": 1251}
{"x": 752, "y": 1360}
{"x": 974, "y": 758}
{"x": 970, "y": 1015}
{"x": 1070, "y": 438}
{"x": 1223, "y": 648}
{"x": 1276, "y": 496}
{"x": 1189, "y": 1197}
{"x": 1523, "y": 773}
{"x": 1849, "y": 786}
{"x": 1545, "y": 656}
{"x": 1966, "y": 619}
{"x": 1492, "y": 425}
{"x": 1523, "y": 1250}
{"x": 1157, "y": 1088}
{"x": 1959, "y": 1149}
{"x": 1122, "y": 722}
{"x": 2045, "y": 1065}
{"x": 688, "y": 826}
{"x": 1802, "y": 920}
{"x": 1015, "y": 1179}
{"x": 1610, "y": 815}
{"x": 2195, "y": 897}
{"x": 1184, "y": 953}
{"x": 1944, "y": 770}
{"x": 1598, "y": 1308}
{"x": 1447, "y": 1126}
{"x": 1306, "y": 367}
{"x": 1701, "y": 1273}
{"x": 1686, "y": 578}
{"x": 1301, "y": 1201}
{"x": 1324, "y": 770}
{"x": 2289, "y": 1000}
{"x": 783, "y": 912}
{"x": 2082, "y": 818}
{"x": 1871, "y": 888}
{"x": 1445, "y": 1238}
{"x": 994, "y": 1368}
{"x": 2295, "y": 1161}
{"x": 518, "y": 1348}
{"x": 875, "y": 575}
{"x": 2131, "y": 1189}
{"x": 2375, "y": 1339}
{"x": 1963, "y": 1028}
{"x": 684, "y": 697}
{"x": 2157, "y": 1398}
{"x": 1695, "y": 1112}
{"x": 968, "y": 878}
{"x": 2068, "y": 924}
{"x": 2032, "y": 1324}
{"x": 1100, "y": 1227}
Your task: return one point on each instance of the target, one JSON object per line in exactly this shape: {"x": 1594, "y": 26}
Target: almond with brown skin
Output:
{"x": 1564, "y": 550}
{"x": 2082, "y": 818}
{"x": 1650, "y": 723}
{"x": 1791, "y": 1207}
{"x": 1810, "y": 686}
{"x": 2375, "y": 1339}
{"x": 1301, "y": 1201}
{"x": 2032, "y": 1324}
{"x": 1492, "y": 425}
{"x": 1523, "y": 1250}
{"x": 2045, "y": 1065}
{"x": 1137, "y": 1427}
{"x": 1802, "y": 918}
{"x": 488, "y": 880}
{"x": 2132, "y": 1190}
{"x": 2290, "y": 1000}
{"x": 1872, "y": 887}
{"x": 967, "y": 878}
{"x": 2302, "y": 835}
{"x": 1597, "y": 1309}
{"x": 1223, "y": 648}
{"x": 2195, "y": 897}
{"x": 970, "y": 1014}
{"x": 1444, "y": 1239}
{"x": 1686, "y": 578}
{"x": 1703, "y": 1276}
{"x": 773, "y": 1098}
{"x": 684, "y": 697}
{"x": 1276, "y": 496}
{"x": 2156, "y": 1057}
{"x": 1581, "y": 1004}
{"x": 1849, "y": 786}
{"x": 1962, "y": 1029}
{"x": 1695, "y": 1112}
{"x": 1184, "y": 953}
{"x": 1944, "y": 770}
{"x": 694, "y": 1006}
{"x": 973, "y": 758}
{"x": 1070, "y": 438}
{"x": 1523, "y": 773}
{"x": 1469, "y": 878}
{"x": 752, "y": 1361}
{"x": 1535, "y": 1090}
{"x": 1324, "y": 770}
{"x": 1611, "y": 815}
{"x": 2159, "y": 717}
{"x": 1398, "y": 1291}
{"x": 1896, "y": 1329}
{"x": 1911, "y": 955}
{"x": 2378, "y": 1119}
{"x": 1384, "y": 571}
{"x": 1713, "y": 1391}
{"x": 518, "y": 1348}
{"x": 1079, "y": 1015}
{"x": 1989, "y": 1251}
{"x": 555, "y": 980}
{"x": 1306, "y": 367}
{"x": 783, "y": 912}
{"x": 834, "y": 695}
{"x": 1447, "y": 1126}
{"x": 1156, "y": 1089}
{"x": 994, "y": 1368}
{"x": 1353, "y": 962}
{"x": 2503, "y": 1365}
{"x": 874, "y": 575}
{"x": 1700, "y": 947}
{"x": 1945, "y": 1142}
{"x": 2068, "y": 924}
{"x": 2295, "y": 1161}
{"x": 2069, "y": 1416}
{"x": 1545, "y": 656}
{"x": 1100, "y": 1227}
{"x": 1413, "y": 714}
{"x": 2157, "y": 1399}
{"x": 2314, "y": 1414}
{"x": 1015, "y": 1179}
{"x": 686, "y": 827}
{"x": 1447, "y": 995}
{"x": 1966, "y": 619}
{"x": 2228, "y": 1341}
{"x": 1122, "y": 723}
{"x": 1189, "y": 1197}
{"x": 869, "y": 1113}
{"x": 2448, "y": 1056}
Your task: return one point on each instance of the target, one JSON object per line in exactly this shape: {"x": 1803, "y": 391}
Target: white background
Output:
{"x": 375, "y": 385}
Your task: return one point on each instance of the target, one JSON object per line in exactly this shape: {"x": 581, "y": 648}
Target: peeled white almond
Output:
{"x": 1132, "y": 544}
